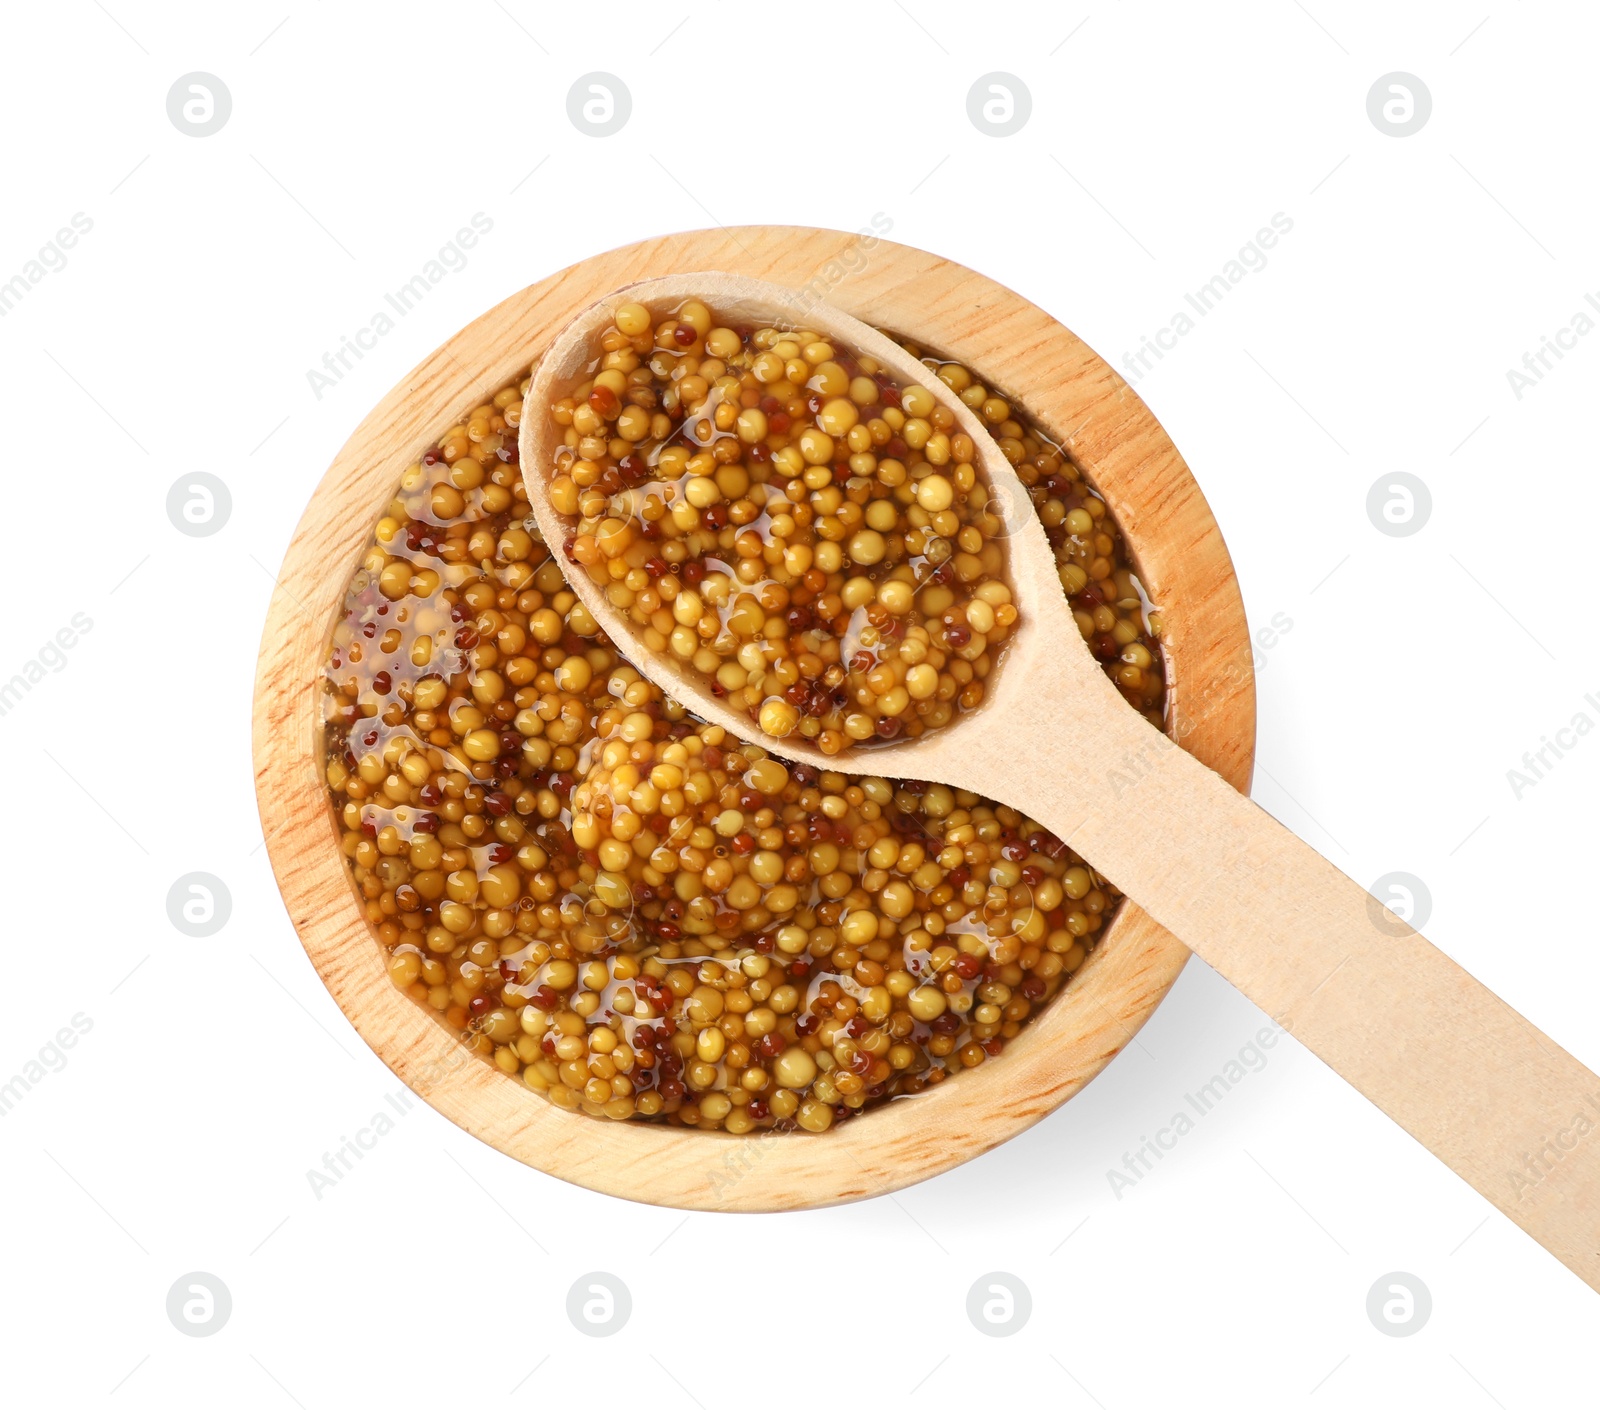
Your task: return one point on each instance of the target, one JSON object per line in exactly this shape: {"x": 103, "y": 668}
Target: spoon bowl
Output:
{"x": 1046, "y": 621}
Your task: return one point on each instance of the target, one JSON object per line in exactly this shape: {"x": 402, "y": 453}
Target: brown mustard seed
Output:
{"x": 634, "y": 913}
{"x": 779, "y": 513}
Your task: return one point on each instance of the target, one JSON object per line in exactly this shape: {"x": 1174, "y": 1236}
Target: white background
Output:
{"x": 1377, "y": 339}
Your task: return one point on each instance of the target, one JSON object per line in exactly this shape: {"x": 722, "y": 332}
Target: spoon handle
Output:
{"x": 1501, "y": 1104}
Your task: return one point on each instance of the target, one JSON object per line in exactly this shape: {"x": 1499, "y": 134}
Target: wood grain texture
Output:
{"x": 1073, "y": 395}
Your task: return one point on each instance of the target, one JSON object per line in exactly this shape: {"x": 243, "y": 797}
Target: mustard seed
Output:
{"x": 791, "y": 483}
{"x": 636, "y": 915}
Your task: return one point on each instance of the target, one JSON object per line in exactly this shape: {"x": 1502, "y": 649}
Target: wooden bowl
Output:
{"x": 1067, "y": 390}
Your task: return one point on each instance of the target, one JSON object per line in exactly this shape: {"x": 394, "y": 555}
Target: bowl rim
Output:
{"x": 947, "y": 310}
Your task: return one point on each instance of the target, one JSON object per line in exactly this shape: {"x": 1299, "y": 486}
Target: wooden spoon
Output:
{"x": 1496, "y": 1100}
